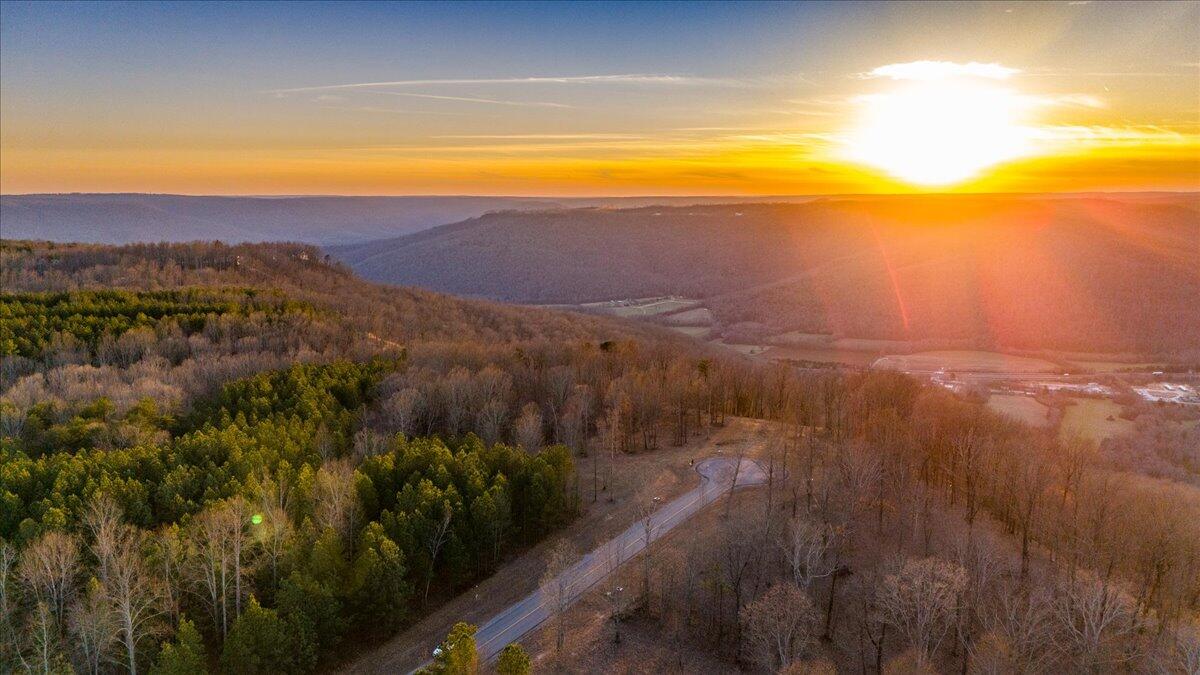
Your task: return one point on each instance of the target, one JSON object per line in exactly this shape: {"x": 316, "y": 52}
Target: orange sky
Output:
{"x": 649, "y": 100}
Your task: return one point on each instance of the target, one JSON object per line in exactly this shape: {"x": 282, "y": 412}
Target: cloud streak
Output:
{"x": 474, "y": 99}
{"x": 628, "y": 78}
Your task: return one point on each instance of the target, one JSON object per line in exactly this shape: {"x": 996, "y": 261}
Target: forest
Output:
{"x": 289, "y": 461}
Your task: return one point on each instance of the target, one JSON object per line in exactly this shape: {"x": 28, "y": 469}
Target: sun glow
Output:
{"x": 939, "y": 131}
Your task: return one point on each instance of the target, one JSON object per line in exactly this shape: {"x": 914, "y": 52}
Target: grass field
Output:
{"x": 696, "y": 316}
{"x": 641, "y": 306}
{"x": 698, "y": 332}
{"x": 1089, "y": 418}
{"x": 1021, "y": 408}
{"x": 966, "y": 361}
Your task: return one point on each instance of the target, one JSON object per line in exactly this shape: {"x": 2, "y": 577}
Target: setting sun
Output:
{"x": 943, "y": 124}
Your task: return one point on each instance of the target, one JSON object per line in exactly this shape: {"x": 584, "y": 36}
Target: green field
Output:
{"x": 1021, "y": 408}
{"x": 966, "y": 361}
{"x": 1089, "y": 418}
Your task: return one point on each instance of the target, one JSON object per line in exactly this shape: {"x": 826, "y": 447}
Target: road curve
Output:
{"x": 716, "y": 473}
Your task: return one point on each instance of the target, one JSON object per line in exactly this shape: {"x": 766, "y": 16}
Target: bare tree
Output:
{"x": 336, "y": 504}
{"x": 528, "y": 428}
{"x": 93, "y": 624}
{"x": 401, "y": 411}
{"x": 102, "y": 520}
{"x": 273, "y": 534}
{"x": 434, "y": 541}
{"x": 8, "y": 557}
{"x": 48, "y": 568}
{"x": 779, "y": 625}
{"x": 1093, "y": 619}
{"x": 133, "y": 592}
{"x": 556, "y": 586}
{"x": 918, "y": 599}
{"x": 211, "y": 566}
{"x": 491, "y": 420}
{"x": 805, "y": 547}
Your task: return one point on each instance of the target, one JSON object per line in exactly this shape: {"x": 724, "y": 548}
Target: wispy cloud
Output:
{"x": 940, "y": 70}
{"x": 474, "y": 99}
{"x": 396, "y": 111}
{"x": 628, "y": 78}
{"x": 539, "y": 137}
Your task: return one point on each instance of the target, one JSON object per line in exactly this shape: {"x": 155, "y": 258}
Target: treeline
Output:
{"x": 255, "y": 534}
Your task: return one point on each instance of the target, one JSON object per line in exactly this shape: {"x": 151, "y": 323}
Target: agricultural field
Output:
{"x": 1096, "y": 419}
{"x": 1023, "y": 408}
{"x": 636, "y": 307}
{"x": 697, "y": 332}
{"x": 978, "y": 361}
{"x": 696, "y": 316}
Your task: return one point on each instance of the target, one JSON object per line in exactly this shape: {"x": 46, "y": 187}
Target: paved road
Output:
{"x": 716, "y": 474}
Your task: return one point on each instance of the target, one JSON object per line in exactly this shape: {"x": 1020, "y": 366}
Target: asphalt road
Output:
{"x": 716, "y": 475}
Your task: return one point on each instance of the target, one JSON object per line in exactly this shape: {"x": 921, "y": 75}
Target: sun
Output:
{"x": 939, "y": 131}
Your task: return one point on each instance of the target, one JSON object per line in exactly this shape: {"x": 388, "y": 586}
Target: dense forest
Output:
{"x": 244, "y": 459}
{"x": 1018, "y": 272}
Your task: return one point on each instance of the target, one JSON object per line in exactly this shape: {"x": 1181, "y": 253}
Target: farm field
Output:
{"x": 641, "y": 306}
{"x": 773, "y": 352}
{"x": 1090, "y": 418}
{"x": 966, "y": 360}
{"x": 697, "y": 316}
{"x": 1023, "y": 408}
{"x": 1111, "y": 366}
{"x": 698, "y": 332}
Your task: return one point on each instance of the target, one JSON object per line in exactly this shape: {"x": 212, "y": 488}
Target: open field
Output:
{"x": 697, "y": 316}
{"x": 641, "y": 306}
{"x": 1018, "y": 407}
{"x": 1096, "y": 419}
{"x": 698, "y": 332}
{"x": 1111, "y": 366}
{"x": 966, "y": 360}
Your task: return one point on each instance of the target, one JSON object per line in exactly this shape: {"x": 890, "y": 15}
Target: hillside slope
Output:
{"x": 1081, "y": 273}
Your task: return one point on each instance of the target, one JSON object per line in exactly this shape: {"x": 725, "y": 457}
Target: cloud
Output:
{"x": 536, "y": 137}
{"x": 473, "y": 99}
{"x": 630, "y": 78}
{"x": 940, "y": 70}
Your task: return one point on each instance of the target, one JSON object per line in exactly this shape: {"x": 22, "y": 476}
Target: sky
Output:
{"x": 561, "y": 99}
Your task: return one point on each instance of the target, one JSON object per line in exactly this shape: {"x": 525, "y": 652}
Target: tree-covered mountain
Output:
{"x": 1076, "y": 272}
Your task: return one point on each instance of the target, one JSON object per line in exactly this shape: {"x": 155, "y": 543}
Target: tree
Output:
{"x": 48, "y": 568}
{"x": 93, "y": 624}
{"x": 556, "y": 586}
{"x": 182, "y": 656}
{"x": 528, "y": 428}
{"x": 805, "y": 545}
{"x": 135, "y": 594}
{"x": 258, "y": 642}
{"x": 457, "y": 655}
{"x": 918, "y": 599}
{"x": 513, "y": 661}
{"x": 336, "y": 501}
{"x": 779, "y": 625}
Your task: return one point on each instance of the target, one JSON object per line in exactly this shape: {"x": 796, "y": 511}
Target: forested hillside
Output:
{"x": 245, "y": 459}
{"x": 1083, "y": 273}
